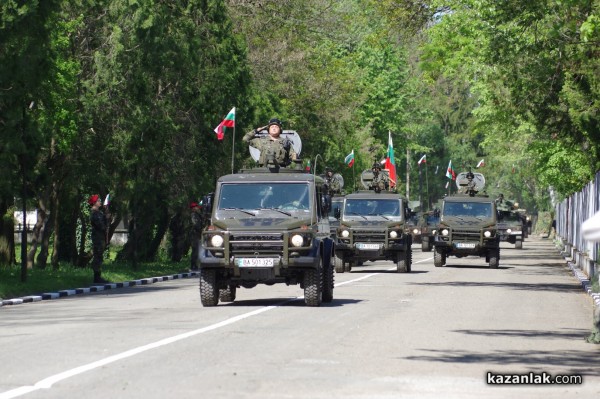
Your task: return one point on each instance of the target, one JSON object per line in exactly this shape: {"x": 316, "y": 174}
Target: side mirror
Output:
{"x": 337, "y": 213}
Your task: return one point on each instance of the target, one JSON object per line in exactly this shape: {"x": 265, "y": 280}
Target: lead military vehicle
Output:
{"x": 372, "y": 227}
{"x": 467, "y": 224}
{"x": 267, "y": 227}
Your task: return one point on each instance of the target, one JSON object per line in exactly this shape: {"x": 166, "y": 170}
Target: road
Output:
{"x": 433, "y": 333}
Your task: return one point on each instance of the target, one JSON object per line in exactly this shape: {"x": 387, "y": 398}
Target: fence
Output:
{"x": 570, "y": 215}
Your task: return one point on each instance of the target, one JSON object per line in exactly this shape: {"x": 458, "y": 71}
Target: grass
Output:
{"x": 68, "y": 277}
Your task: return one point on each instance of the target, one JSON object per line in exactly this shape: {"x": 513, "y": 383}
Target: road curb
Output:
{"x": 94, "y": 288}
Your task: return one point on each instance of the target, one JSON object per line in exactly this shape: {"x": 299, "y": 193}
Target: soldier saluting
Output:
{"x": 274, "y": 150}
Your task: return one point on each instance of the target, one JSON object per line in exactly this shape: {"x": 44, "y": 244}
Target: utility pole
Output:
{"x": 407, "y": 174}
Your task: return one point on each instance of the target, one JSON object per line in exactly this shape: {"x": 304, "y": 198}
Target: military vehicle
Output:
{"x": 467, "y": 224}
{"x": 372, "y": 227}
{"x": 512, "y": 227}
{"x": 267, "y": 226}
{"x": 428, "y": 224}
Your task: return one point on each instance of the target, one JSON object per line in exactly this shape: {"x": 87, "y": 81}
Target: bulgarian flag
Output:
{"x": 390, "y": 162}
{"x": 450, "y": 173}
{"x": 422, "y": 160}
{"x": 229, "y": 121}
{"x": 480, "y": 164}
{"x": 349, "y": 160}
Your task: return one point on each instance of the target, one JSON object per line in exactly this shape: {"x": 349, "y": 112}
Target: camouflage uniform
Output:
{"x": 278, "y": 150}
{"x": 99, "y": 226}
{"x": 380, "y": 181}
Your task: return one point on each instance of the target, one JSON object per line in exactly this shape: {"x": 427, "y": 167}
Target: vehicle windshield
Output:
{"x": 468, "y": 209}
{"x": 508, "y": 217}
{"x": 432, "y": 220}
{"x": 252, "y": 196}
{"x": 373, "y": 207}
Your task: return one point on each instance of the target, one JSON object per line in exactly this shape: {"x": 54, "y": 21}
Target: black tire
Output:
{"x": 438, "y": 258}
{"x": 409, "y": 260}
{"x": 313, "y": 287}
{"x": 402, "y": 262}
{"x": 227, "y": 294}
{"x": 339, "y": 264}
{"x": 209, "y": 290}
{"x": 519, "y": 244}
{"x": 359, "y": 263}
{"x": 328, "y": 282}
{"x": 348, "y": 266}
{"x": 494, "y": 258}
{"x": 425, "y": 246}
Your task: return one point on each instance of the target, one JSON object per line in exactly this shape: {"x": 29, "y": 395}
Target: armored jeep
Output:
{"x": 267, "y": 226}
{"x": 511, "y": 228}
{"x": 428, "y": 224}
{"x": 372, "y": 227}
{"x": 467, "y": 225}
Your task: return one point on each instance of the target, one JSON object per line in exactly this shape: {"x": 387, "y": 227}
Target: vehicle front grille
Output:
{"x": 369, "y": 236}
{"x": 256, "y": 242}
{"x": 466, "y": 235}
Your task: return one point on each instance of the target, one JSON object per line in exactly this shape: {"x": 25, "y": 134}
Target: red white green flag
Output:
{"x": 450, "y": 173}
{"x": 390, "y": 162}
{"x": 349, "y": 160}
{"x": 229, "y": 121}
{"x": 480, "y": 164}
{"x": 422, "y": 160}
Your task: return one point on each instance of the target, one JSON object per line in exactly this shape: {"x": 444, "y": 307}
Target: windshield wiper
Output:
{"x": 238, "y": 209}
{"x": 357, "y": 214}
{"x": 378, "y": 214}
{"x": 275, "y": 209}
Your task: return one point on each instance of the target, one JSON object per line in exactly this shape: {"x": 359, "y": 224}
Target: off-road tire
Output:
{"x": 409, "y": 260}
{"x": 348, "y": 266}
{"x": 209, "y": 290}
{"x": 328, "y": 282}
{"x": 519, "y": 244}
{"x": 438, "y": 258}
{"x": 402, "y": 262}
{"x": 425, "y": 246}
{"x": 313, "y": 287}
{"x": 227, "y": 294}
{"x": 494, "y": 258}
{"x": 339, "y": 264}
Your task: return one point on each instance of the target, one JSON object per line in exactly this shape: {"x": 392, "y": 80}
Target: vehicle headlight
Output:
{"x": 216, "y": 240}
{"x": 433, "y": 231}
{"x": 487, "y": 233}
{"x": 416, "y": 231}
{"x": 345, "y": 233}
{"x": 393, "y": 234}
{"x": 509, "y": 231}
{"x": 297, "y": 240}
{"x": 445, "y": 232}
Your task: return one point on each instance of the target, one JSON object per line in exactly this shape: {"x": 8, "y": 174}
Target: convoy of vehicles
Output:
{"x": 282, "y": 225}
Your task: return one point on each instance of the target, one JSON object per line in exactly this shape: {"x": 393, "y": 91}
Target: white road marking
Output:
{"x": 47, "y": 383}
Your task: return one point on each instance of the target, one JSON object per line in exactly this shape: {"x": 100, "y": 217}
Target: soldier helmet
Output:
{"x": 274, "y": 121}
{"x": 376, "y": 165}
{"x": 328, "y": 169}
{"x": 93, "y": 199}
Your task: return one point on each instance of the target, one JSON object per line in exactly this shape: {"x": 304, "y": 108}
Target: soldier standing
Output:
{"x": 99, "y": 222}
{"x": 380, "y": 180}
{"x": 274, "y": 150}
{"x": 196, "y": 232}
{"x": 330, "y": 188}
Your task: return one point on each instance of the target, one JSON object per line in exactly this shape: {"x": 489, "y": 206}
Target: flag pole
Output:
{"x": 232, "y": 149}
{"x": 427, "y": 185}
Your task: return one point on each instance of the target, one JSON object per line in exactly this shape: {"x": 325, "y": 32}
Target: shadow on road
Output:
{"x": 516, "y": 286}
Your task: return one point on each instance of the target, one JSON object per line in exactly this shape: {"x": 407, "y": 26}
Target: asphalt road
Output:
{"x": 433, "y": 333}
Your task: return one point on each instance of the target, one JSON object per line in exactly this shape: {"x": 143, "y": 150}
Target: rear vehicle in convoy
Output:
{"x": 467, "y": 226}
{"x": 511, "y": 228}
{"x": 372, "y": 227}
{"x": 428, "y": 224}
{"x": 267, "y": 228}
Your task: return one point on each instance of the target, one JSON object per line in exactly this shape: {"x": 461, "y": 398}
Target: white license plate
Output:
{"x": 255, "y": 262}
{"x": 469, "y": 245}
{"x": 367, "y": 246}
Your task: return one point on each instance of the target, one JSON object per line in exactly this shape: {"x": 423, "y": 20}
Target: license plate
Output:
{"x": 255, "y": 262}
{"x": 367, "y": 246}
{"x": 469, "y": 245}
